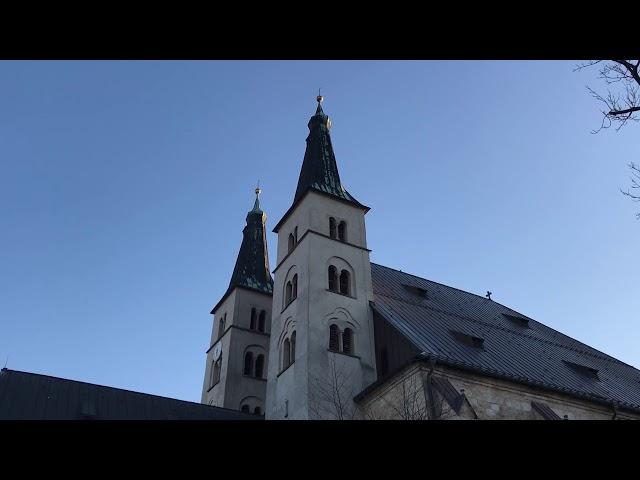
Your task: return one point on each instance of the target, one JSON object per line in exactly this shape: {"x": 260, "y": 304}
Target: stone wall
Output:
{"x": 404, "y": 396}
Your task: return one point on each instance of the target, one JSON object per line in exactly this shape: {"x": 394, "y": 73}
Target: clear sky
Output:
{"x": 124, "y": 188}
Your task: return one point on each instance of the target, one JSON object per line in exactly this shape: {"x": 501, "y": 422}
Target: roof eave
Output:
{"x": 231, "y": 289}
{"x": 320, "y": 192}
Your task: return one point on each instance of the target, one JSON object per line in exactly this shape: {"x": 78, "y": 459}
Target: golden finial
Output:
{"x": 258, "y": 189}
{"x": 319, "y": 98}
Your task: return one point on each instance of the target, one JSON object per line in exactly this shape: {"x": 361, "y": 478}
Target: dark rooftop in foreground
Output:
{"x": 31, "y": 396}
{"x": 495, "y": 340}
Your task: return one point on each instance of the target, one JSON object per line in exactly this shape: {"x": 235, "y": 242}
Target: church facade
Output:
{"x": 333, "y": 336}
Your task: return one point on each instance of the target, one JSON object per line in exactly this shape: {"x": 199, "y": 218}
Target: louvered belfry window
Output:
{"x": 286, "y": 354}
{"x": 332, "y": 227}
{"x": 248, "y": 362}
{"x": 333, "y": 276}
{"x": 289, "y": 291}
{"x": 294, "y": 287}
{"x": 334, "y": 338}
{"x": 259, "y": 366}
{"x": 344, "y": 282}
{"x": 347, "y": 341}
{"x": 342, "y": 232}
{"x": 292, "y": 242}
{"x": 252, "y": 325}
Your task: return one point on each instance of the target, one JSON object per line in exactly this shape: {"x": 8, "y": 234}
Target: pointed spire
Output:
{"x": 252, "y": 265}
{"x": 319, "y": 99}
{"x": 256, "y": 205}
{"x": 319, "y": 169}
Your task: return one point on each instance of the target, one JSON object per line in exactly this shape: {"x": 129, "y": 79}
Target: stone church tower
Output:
{"x": 236, "y": 370}
{"x": 322, "y": 345}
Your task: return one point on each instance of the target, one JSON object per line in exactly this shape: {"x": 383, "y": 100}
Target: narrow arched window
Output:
{"x": 215, "y": 373}
{"x": 332, "y": 227}
{"x": 287, "y": 296}
{"x": 248, "y": 363}
{"x": 334, "y": 338}
{"x": 295, "y": 235}
{"x": 286, "y": 353}
{"x": 333, "y": 275}
{"x": 342, "y": 231}
{"x": 292, "y": 242}
{"x": 252, "y": 325}
{"x": 259, "y": 366}
{"x": 257, "y": 411}
{"x": 344, "y": 282}
{"x": 261, "y": 320}
{"x": 245, "y": 409}
{"x": 221, "y": 323}
{"x": 293, "y": 347}
{"x": 294, "y": 287}
{"x": 347, "y": 341}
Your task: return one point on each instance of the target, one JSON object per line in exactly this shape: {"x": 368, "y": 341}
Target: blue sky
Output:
{"x": 124, "y": 188}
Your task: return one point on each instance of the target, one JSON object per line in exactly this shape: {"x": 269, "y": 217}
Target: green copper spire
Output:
{"x": 252, "y": 266}
{"x": 319, "y": 169}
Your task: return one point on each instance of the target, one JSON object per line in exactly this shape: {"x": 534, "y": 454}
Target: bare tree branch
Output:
{"x": 635, "y": 185}
{"x": 621, "y": 105}
{"x": 332, "y": 393}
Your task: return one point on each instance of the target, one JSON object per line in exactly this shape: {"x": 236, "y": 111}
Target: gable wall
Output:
{"x": 490, "y": 399}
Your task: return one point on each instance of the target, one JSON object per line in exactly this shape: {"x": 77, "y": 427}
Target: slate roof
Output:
{"x": 252, "y": 265}
{"x": 30, "y": 396}
{"x": 500, "y": 341}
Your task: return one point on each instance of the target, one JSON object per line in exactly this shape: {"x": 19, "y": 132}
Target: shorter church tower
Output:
{"x": 236, "y": 369}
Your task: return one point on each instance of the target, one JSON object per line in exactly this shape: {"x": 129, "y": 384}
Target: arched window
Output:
{"x": 333, "y": 277}
{"x": 292, "y": 242}
{"x": 293, "y": 347}
{"x": 332, "y": 227}
{"x": 248, "y": 363}
{"x": 347, "y": 341}
{"x": 221, "y": 323}
{"x": 334, "y": 338}
{"x": 257, "y": 411}
{"x": 294, "y": 287}
{"x": 261, "y": 321}
{"x": 215, "y": 372}
{"x": 252, "y": 325}
{"x": 245, "y": 409}
{"x": 286, "y": 353}
{"x": 259, "y": 365}
{"x": 342, "y": 231}
{"x": 344, "y": 282}
{"x": 287, "y": 296}
{"x": 295, "y": 235}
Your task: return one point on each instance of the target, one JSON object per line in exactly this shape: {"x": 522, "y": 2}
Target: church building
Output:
{"x": 334, "y": 336}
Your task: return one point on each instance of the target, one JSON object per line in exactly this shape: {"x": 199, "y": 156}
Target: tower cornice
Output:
{"x": 302, "y": 197}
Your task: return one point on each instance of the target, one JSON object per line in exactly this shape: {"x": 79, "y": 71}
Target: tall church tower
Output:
{"x": 235, "y": 374}
{"x": 322, "y": 346}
